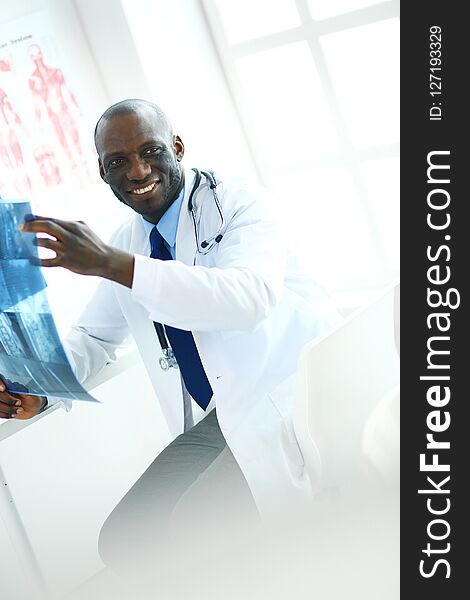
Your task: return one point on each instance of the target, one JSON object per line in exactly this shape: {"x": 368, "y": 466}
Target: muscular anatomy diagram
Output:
{"x": 41, "y": 146}
{"x": 11, "y": 153}
{"x": 55, "y": 102}
{"x": 5, "y": 64}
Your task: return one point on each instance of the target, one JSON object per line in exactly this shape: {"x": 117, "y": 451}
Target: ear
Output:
{"x": 178, "y": 147}
{"x": 102, "y": 173}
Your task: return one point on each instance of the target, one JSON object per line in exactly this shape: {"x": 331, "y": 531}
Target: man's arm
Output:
{"x": 237, "y": 294}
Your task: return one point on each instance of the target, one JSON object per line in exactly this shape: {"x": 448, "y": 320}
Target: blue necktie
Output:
{"x": 182, "y": 342}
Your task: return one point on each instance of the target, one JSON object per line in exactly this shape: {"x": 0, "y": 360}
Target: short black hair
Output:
{"x": 133, "y": 105}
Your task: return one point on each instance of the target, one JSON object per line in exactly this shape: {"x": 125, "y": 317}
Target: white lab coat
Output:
{"x": 250, "y": 312}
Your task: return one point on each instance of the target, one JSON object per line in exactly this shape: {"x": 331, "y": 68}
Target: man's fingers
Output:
{"x": 65, "y": 225}
{"x": 8, "y": 400}
{"x": 71, "y": 226}
{"x": 11, "y": 416}
{"x": 45, "y": 262}
{"x": 49, "y": 226}
{"x": 48, "y": 243}
{"x": 6, "y": 397}
{"x": 54, "y": 245}
{"x": 5, "y": 409}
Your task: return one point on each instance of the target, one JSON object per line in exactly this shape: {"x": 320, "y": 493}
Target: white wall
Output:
{"x": 186, "y": 78}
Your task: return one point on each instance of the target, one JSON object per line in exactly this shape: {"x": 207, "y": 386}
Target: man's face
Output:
{"x": 138, "y": 158}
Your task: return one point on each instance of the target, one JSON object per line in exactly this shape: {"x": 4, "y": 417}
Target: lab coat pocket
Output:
{"x": 282, "y": 399}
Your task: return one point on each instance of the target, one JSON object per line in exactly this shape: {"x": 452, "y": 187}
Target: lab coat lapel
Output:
{"x": 140, "y": 242}
{"x": 185, "y": 239}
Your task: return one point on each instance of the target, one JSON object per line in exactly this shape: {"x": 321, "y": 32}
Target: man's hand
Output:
{"x": 79, "y": 250}
{"x": 19, "y": 406}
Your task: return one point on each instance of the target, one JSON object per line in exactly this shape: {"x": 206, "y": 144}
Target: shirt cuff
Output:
{"x": 145, "y": 284}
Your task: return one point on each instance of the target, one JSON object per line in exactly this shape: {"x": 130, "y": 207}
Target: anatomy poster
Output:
{"x": 43, "y": 147}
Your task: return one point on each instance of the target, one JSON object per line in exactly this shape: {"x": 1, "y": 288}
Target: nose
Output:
{"x": 138, "y": 169}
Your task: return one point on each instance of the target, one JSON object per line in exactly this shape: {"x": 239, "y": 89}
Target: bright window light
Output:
{"x": 364, "y": 66}
{"x": 246, "y": 19}
{"x": 328, "y": 226}
{"x": 323, "y": 9}
{"x": 382, "y": 179}
{"x": 303, "y": 99}
{"x": 288, "y": 110}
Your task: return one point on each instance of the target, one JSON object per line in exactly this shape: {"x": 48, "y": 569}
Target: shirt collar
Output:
{"x": 168, "y": 224}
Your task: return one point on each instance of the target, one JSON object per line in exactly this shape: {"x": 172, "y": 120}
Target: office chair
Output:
{"x": 342, "y": 378}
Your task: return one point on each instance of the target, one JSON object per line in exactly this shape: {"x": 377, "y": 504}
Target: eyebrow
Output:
{"x": 146, "y": 144}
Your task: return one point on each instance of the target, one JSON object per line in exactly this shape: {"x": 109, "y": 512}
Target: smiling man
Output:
{"x": 207, "y": 258}
{"x": 142, "y": 168}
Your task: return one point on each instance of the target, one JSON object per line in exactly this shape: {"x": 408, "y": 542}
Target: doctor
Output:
{"x": 214, "y": 269}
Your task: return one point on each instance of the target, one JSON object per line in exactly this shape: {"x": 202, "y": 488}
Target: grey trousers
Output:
{"x": 193, "y": 492}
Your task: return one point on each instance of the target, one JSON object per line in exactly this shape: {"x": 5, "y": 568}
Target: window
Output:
{"x": 247, "y": 19}
{"x": 316, "y": 85}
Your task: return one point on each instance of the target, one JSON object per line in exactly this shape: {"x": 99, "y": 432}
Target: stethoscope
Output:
{"x": 206, "y": 245}
{"x": 168, "y": 359}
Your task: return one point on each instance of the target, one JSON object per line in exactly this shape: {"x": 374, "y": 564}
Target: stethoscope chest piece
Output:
{"x": 168, "y": 360}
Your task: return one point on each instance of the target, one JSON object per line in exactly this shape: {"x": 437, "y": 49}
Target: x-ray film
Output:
{"x": 32, "y": 359}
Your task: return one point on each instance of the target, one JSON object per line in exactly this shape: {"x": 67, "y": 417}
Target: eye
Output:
{"x": 153, "y": 150}
{"x": 115, "y": 162}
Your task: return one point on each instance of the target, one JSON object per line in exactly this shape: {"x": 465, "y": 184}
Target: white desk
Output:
{"x": 8, "y": 509}
{"x": 9, "y": 513}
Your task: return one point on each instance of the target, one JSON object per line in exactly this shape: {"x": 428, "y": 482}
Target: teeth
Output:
{"x": 145, "y": 189}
